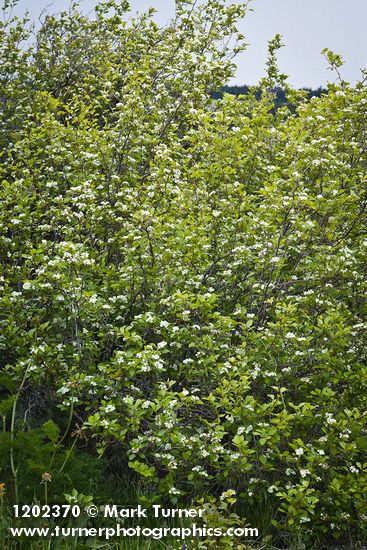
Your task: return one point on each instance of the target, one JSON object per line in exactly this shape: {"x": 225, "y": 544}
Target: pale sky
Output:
{"x": 307, "y": 26}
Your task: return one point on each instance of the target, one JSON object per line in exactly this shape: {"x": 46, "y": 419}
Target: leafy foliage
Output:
{"x": 183, "y": 282}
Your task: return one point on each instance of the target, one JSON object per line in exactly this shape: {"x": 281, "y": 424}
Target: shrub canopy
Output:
{"x": 187, "y": 277}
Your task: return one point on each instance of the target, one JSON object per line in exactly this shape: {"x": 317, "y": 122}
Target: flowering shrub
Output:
{"x": 188, "y": 278}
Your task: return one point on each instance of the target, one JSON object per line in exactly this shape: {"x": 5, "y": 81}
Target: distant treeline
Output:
{"x": 280, "y": 100}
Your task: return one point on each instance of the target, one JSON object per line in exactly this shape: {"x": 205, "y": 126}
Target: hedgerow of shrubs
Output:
{"x": 183, "y": 281}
